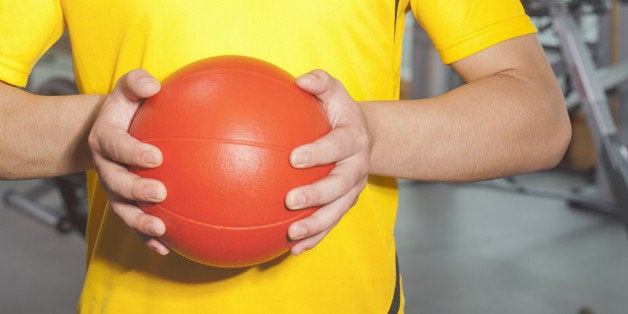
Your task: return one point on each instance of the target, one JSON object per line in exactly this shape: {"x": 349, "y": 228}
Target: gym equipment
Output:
{"x": 226, "y": 126}
{"x": 610, "y": 190}
{"x": 585, "y": 90}
{"x": 71, "y": 216}
{"x": 584, "y": 84}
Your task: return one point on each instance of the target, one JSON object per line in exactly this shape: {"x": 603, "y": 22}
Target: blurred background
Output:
{"x": 547, "y": 242}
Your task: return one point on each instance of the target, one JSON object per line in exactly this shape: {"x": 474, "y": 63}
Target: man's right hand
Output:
{"x": 113, "y": 149}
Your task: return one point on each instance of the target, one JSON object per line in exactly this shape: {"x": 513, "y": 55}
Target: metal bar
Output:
{"x": 615, "y": 157}
{"x": 613, "y": 75}
{"x": 582, "y": 71}
{"x": 609, "y": 77}
{"x": 612, "y": 164}
{"x": 37, "y": 211}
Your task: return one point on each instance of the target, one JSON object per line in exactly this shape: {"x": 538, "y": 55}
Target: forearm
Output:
{"x": 496, "y": 126}
{"x": 44, "y": 136}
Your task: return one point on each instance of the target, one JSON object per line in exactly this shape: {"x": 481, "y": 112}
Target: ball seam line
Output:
{"x": 215, "y": 139}
{"x": 232, "y": 228}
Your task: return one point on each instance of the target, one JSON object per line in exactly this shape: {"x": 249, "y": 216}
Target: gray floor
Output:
{"x": 471, "y": 249}
{"x": 41, "y": 270}
{"x": 462, "y": 248}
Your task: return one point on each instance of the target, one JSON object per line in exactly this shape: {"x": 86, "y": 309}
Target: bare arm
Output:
{"x": 44, "y": 136}
{"x": 510, "y": 118}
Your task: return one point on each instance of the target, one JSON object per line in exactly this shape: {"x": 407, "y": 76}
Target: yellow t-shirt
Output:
{"x": 353, "y": 270}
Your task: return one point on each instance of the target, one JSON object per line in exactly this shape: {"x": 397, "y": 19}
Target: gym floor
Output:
{"x": 463, "y": 248}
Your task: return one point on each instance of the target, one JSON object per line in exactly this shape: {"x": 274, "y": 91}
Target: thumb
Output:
{"x": 135, "y": 86}
{"x": 322, "y": 85}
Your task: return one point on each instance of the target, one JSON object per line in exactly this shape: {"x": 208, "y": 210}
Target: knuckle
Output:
{"x": 135, "y": 221}
{"x": 105, "y": 180}
{"x": 137, "y": 189}
{"x": 312, "y": 195}
{"x": 346, "y": 183}
{"x": 315, "y": 224}
{"x": 107, "y": 147}
{"x": 96, "y": 140}
{"x": 113, "y": 151}
{"x": 136, "y": 153}
{"x": 120, "y": 149}
{"x": 92, "y": 141}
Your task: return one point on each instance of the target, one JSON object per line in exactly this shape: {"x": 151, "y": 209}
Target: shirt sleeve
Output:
{"x": 28, "y": 29}
{"x": 460, "y": 28}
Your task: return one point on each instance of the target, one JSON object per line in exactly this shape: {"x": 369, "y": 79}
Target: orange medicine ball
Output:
{"x": 226, "y": 127}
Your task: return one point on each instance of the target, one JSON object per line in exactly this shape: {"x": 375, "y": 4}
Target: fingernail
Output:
{"x": 295, "y": 200}
{"x": 298, "y": 160}
{"x": 159, "y": 249}
{"x": 155, "y": 194}
{"x": 147, "y": 81}
{"x": 150, "y": 228}
{"x": 297, "y": 233}
{"x": 155, "y": 229}
{"x": 305, "y": 78}
{"x": 150, "y": 159}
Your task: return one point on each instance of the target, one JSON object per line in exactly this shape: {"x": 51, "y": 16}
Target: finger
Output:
{"x": 322, "y": 85}
{"x": 332, "y": 97}
{"x": 136, "y": 219}
{"x": 118, "y": 145}
{"x": 339, "y": 182}
{"x": 134, "y": 86}
{"x": 309, "y": 243}
{"x": 110, "y": 137}
{"x": 123, "y": 183}
{"x": 154, "y": 244}
{"x": 339, "y": 144}
{"x": 130, "y": 90}
{"x": 324, "y": 218}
